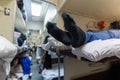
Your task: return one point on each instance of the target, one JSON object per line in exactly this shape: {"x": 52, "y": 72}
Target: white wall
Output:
{"x": 81, "y": 21}
{"x": 51, "y": 13}
{"x": 50, "y": 16}
{"x": 35, "y": 25}
{"x": 7, "y": 21}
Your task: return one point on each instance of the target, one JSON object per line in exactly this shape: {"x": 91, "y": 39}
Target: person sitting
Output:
{"x": 75, "y": 36}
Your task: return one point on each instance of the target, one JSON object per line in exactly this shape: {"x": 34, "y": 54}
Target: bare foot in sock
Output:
{"x": 58, "y": 34}
{"x": 77, "y": 35}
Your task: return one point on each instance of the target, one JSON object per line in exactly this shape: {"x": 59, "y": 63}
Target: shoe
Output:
{"x": 30, "y": 77}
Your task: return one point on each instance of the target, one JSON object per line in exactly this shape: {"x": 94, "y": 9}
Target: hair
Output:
{"x": 115, "y": 25}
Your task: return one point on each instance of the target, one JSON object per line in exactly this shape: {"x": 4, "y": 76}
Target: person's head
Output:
{"x": 115, "y": 25}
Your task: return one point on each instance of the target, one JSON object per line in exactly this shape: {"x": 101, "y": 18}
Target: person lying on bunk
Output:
{"x": 75, "y": 36}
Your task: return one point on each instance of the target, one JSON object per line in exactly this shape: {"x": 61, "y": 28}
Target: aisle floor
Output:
{"x": 35, "y": 71}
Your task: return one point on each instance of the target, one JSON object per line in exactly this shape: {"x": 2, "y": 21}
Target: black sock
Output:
{"x": 58, "y": 34}
{"x": 77, "y": 35}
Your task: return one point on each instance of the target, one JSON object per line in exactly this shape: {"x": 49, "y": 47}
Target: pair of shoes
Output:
{"x": 72, "y": 35}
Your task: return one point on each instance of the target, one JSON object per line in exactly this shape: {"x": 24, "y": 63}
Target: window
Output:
{"x": 36, "y": 9}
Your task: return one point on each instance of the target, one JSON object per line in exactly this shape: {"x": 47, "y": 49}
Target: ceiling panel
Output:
{"x": 99, "y": 9}
{"x": 27, "y": 4}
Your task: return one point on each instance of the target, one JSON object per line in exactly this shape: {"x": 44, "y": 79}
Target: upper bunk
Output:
{"x": 108, "y": 10}
{"x": 19, "y": 21}
{"x": 10, "y": 18}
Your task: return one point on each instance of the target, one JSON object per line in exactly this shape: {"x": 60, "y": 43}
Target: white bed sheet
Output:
{"x": 49, "y": 74}
{"x": 98, "y": 49}
{"x": 93, "y": 51}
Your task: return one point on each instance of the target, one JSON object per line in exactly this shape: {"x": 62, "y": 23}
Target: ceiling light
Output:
{"x": 36, "y": 9}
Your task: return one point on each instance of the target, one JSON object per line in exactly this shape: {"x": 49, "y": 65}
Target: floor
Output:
{"x": 47, "y": 73}
{"x": 35, "y": 68}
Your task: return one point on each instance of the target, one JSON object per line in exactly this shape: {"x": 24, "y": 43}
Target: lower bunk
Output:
{"x": 80, "y": 69}
{"x": 53, "y": 73}
{"x": 87, "y": 60}
{"x": 50, "y": 66}
{"x": 86, "y": 70}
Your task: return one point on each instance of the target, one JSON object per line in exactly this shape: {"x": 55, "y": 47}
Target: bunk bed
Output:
{"x": 10, "y": 18}
{"x": 96, "y": 58}
{"x": 83, "y": 12}
{"x": 51, "y": 65}
{"x": 7, "y": 49}
{"x": 91, "y": 60}
{"x": 19, "y": 21}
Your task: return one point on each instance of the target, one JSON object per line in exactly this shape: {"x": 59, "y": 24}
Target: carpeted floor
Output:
{"x": 35, "y": 68}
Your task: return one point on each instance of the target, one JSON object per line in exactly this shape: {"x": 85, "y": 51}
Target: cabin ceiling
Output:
{"x": 99, "y": 9}
{"x": 27, "y": 4}
{"x": 108, "y": 10}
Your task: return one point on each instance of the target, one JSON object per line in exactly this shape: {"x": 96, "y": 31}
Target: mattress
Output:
{"x": 93, "y": 51}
